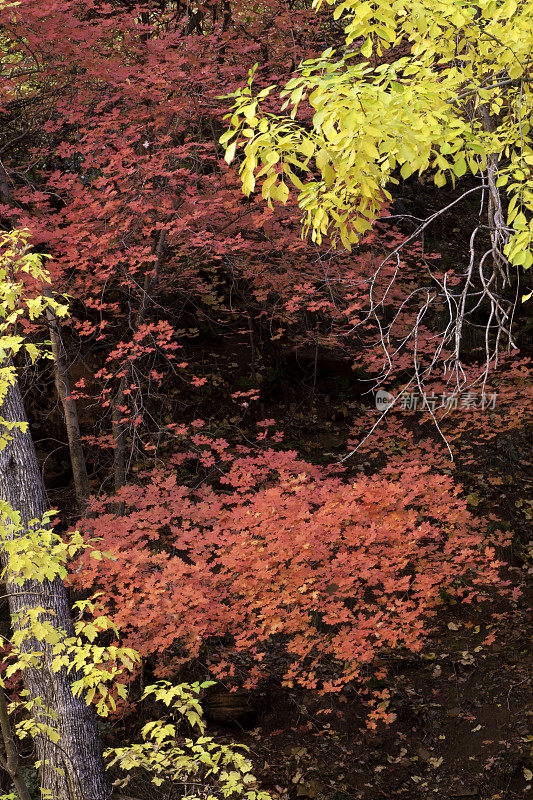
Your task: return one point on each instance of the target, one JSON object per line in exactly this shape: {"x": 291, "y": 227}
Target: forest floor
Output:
{"x": 464, "y": 728}
{"x": 464, "y": 711}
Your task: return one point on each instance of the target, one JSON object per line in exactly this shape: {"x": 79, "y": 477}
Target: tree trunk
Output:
{"x": 79, "y": 469}
{"x": 77, "y": 458}
{"x": 118, "y": 420}
{"x": 498, "y": 231}
{"x": 73, "y": 768}
{"x": 11, "y": 762}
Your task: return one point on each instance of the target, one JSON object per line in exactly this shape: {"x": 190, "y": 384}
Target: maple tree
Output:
{"x": 135, "y": 203}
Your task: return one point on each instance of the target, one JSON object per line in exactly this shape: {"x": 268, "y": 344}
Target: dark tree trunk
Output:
{"x": 70, "y": 410}
{"x": 118, "y": 421}
{"x": 73, "y": 768}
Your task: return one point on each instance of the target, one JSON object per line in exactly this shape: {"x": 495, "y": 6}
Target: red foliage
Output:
{"x": 271, "y": 557}
{"x": 284, "y": 558}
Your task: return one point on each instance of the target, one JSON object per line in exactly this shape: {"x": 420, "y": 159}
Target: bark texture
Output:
{"x": 73, "y": 769}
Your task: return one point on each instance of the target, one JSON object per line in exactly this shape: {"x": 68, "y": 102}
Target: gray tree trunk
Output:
{"x": 73, "y": 769}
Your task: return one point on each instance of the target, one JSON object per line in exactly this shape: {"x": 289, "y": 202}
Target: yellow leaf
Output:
{"x": 366, "y": 49}
{"x": 230, "y": 152}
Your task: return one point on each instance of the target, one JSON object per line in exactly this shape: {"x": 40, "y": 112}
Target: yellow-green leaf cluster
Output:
{"x": 211, "y": 769}
{"x": 458, "y": 99}
{"x": 17, "y": 261}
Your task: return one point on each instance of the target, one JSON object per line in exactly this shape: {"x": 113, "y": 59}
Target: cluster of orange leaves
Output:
{"x": 284, "y": 557}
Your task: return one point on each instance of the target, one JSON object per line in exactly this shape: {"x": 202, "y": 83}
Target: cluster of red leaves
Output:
{"x": 281, "y": 554}
{"x": 120, "y": 118}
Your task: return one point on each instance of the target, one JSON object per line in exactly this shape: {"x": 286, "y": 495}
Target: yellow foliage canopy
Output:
{"x": 459, "y": 102}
